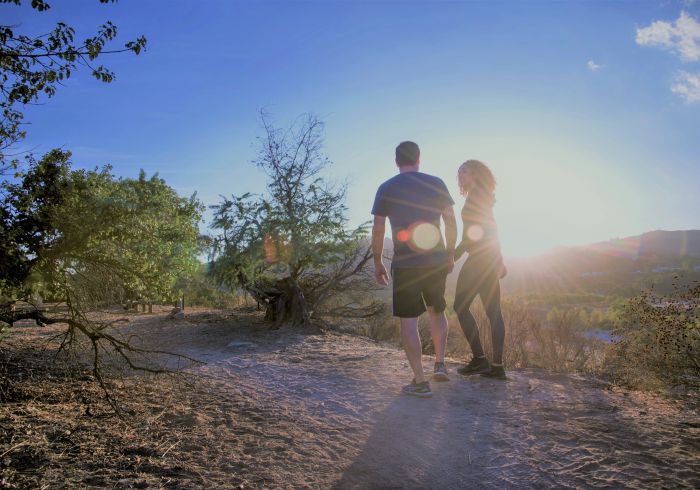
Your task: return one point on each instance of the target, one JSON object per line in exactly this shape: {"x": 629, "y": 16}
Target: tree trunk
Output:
{"x": 285, "y": 304}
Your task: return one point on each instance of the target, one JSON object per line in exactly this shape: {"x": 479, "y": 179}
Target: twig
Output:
{"x": 13, "y": 448}
{"x": 172, "y": 446}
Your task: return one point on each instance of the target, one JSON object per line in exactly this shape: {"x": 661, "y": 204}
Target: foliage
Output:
{"x": 199, "y": 289}
{"x": 86, "y": 238}
{"x": 599, "y": 318}
{"x": 138, "y": 230}
{"x": 33, "y": 66}
{"x": 658, "y": 340}
{"x": 293, "y": 244}
{"x": 77, "y": 232}
{"x": 560, "y": 341}
{"x": 27, "y": 211}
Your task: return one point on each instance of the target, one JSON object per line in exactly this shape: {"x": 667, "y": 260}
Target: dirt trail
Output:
{"x": 325, "y": 411}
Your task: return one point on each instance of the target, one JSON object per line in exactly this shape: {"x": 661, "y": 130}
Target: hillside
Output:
{"x": 621, "y": 266}
{"x": 670, "y": 243}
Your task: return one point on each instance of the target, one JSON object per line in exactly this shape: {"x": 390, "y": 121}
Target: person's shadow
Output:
{"x": 535, "y": 430}
{"x": 432, "y": 443}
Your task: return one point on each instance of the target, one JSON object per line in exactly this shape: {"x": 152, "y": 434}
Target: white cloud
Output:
{"x": 593, "y": 66}
{"x": 687, "y": 85}
{"x": 681, "y": 37}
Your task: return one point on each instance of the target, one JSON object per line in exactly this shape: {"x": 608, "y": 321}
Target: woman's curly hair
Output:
{"x": 485, "y": 181}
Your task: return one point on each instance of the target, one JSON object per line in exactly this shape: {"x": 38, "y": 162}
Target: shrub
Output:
{"x": 658, "y": 341}
{"x": 557, "y": 342}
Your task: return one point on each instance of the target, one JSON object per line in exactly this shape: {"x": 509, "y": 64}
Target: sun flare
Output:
{"x": 425, "y": 236}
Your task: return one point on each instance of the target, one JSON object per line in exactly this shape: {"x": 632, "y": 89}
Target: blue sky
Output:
{"x": 588, "y": 113}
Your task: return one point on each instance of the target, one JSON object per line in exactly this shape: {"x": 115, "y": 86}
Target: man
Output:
{"x": 414, "y": 202}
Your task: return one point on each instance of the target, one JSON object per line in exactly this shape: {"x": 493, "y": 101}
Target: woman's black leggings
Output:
{"x": 480, "y": 276}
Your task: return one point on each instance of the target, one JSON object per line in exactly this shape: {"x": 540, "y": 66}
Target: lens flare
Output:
{"x": 403, "y": 236}
{"x": 426, "y": 236}
{"x": 475, "y": 233}
{"x": 269, "y": 249}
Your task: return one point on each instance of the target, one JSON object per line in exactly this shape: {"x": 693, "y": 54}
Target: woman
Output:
{"x": 482, "y": 270}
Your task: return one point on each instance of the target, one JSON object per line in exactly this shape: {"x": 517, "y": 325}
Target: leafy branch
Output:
{"x": 32, "y": 67}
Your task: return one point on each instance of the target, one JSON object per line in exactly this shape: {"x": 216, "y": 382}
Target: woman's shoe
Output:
{"x": 496, "y": 372}
{"x": 478, "y": 365}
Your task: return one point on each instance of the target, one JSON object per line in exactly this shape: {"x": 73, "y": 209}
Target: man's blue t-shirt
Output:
{"x": 413, "y": 202}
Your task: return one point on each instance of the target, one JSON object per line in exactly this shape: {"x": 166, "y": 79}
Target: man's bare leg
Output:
{"x": 412, "y": 346}
{"x": 438, "y": 331}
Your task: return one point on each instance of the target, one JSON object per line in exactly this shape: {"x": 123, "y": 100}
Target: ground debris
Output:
{"x": 58, "y": 431}
{"x": 324, "y": 411}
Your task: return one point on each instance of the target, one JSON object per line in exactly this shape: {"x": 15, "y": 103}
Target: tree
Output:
{"x": 291, "y": 248}
{"x": 86, "y": 238}
{"x": 32, "y": 67}
{"x": 77, "y": 225}
{"x": 27, "y": 228}
{"x": 138, "y": 231}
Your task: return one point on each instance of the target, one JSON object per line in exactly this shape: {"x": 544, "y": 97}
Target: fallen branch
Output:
{"x": 101, "y": 341}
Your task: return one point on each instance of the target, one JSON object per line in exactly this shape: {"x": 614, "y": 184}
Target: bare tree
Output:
{"x": 291, "y": 248}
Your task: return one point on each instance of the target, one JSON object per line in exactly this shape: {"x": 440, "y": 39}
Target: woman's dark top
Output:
{"x": 479, "y": 233}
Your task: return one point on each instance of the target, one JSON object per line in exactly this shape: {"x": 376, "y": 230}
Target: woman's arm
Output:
{"x": 448, "y": 216}
{"x": 461, "y": 248}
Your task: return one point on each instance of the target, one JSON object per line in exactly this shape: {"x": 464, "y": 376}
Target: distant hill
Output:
{"x": 621, "y": 265}
{"x": 670, "y": 243}
{"x": 658, "y": 243}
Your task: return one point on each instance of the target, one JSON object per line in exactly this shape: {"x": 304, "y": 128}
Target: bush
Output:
{"x": 557, "y": 343}
{"x": 199, "y": 289}
{"x": 658, "y": 341}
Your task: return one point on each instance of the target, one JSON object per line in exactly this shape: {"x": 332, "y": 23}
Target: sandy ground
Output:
{"x": 325, "y": 411}
{"x": 280, "y": 409}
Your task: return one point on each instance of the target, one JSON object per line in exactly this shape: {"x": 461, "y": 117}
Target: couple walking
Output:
{"x": 414, "y": 202}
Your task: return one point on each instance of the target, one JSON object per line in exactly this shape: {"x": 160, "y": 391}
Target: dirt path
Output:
{"x": 325, "y": 411}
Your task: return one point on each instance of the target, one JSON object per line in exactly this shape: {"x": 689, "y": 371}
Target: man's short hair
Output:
{"x": 407, "y": 153}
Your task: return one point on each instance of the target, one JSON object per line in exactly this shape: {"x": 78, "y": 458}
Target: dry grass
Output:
{"x": 57, "y": 430}
{"x": 557, "y": 343}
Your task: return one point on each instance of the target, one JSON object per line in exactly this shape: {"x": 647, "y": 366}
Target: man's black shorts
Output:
{"x": 415, "y": 288}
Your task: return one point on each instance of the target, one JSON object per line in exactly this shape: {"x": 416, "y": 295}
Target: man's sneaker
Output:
{"x": 496, "y": 372}
{"x": 421, "y": 390}
{"x": 440, "y": 372}
{"x": 478, "y": 365}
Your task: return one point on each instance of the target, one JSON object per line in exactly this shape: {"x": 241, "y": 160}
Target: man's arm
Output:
{"x": 378, "y": 229}
{"x": 448, "y": 216}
